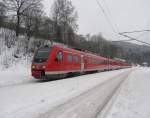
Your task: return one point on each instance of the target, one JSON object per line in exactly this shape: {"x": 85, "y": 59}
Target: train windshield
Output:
{"x": 41, "y": 56}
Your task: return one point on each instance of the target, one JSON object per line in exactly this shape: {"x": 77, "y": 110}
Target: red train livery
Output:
{"x": 57, "y": 60}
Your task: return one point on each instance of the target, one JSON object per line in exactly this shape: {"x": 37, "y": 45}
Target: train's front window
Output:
{"x": 41, "y": 56}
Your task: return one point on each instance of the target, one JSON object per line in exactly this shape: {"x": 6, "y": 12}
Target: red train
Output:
{"x": 57, "y": 60}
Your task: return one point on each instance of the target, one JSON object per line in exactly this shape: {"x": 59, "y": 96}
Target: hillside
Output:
{"x": 13, "y": 50}
{"x": 131, "y": 47}
{"x": 134, "y": 53}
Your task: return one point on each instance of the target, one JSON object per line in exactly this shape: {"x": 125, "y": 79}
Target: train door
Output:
{"x": 82, "y": 63}
{"x": 59, "y": 61}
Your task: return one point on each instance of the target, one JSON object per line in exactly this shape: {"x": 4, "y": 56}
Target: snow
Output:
{"x": 19, "y": 73}
{"x": 88, "y": 104}
{"x": 21, "y": 96}
{"x": 33, "y": 98}
{"x": 133, "y": 100}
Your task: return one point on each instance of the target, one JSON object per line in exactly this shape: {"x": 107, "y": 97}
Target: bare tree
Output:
{"x": 64, "y": 15}
{"x": 47, "y": 28}
{"x": 19, "y": 7}
{"x": 30, "y": 22}
{"x": 30, "y": 18}
{"x": 37, "y": 23}
{"x": 2, "y": 13}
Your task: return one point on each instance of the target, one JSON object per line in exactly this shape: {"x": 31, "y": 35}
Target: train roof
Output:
{"x": 77, "y": 51}
{"x": 90, "y": 54}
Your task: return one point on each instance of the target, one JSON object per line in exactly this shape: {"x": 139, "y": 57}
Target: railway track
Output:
{"x": 90, "y": 103}
{"x": 29, "y": 81}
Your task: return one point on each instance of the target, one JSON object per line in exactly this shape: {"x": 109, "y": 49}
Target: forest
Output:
{"x": 24, "y": 27}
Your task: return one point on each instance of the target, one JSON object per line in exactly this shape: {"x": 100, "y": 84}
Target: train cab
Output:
{"x": 39, "y": 62}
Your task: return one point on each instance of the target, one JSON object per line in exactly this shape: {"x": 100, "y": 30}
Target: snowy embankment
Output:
{"x": 15, "y": 62}
{"x": 133, "y": 98}
{"x": 19, "y": 73}
{"x": 32, "y": 99}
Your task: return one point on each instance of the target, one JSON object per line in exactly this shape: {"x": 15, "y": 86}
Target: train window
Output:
{"x": 41, "y": 55}
{"x": 59, "y": 56}
{"x": 70, "y": 58}
{"x": 76, "y": 59}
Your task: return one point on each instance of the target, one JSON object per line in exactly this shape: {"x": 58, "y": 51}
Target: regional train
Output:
{"x": 59, "y": 61}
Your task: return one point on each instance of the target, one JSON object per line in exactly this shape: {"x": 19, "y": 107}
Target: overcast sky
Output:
{"x": 127, "y": 15}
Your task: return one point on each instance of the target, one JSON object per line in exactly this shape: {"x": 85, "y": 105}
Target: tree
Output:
{"x": 47, "y": 28}
{"x": 2, "y": 13}
{"x": 19, "y": 7}
{"x": 31, "y": 17}
{"x": 37, "y": 23}
{"x": 98, "y": 42}
{"x": 64, "y": 15}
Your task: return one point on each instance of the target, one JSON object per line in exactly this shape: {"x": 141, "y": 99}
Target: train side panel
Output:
{"x": 65, "y": 60}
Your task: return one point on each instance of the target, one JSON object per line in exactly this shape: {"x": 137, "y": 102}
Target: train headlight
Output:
{"x": 43, "y": 67}
{"x": 33, "y": 67}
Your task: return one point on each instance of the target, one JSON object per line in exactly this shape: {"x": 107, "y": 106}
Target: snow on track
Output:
{"x": 33, "y": 99}
{"x": 90, "y": 103}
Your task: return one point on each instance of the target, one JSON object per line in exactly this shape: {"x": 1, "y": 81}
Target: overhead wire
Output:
{"x": 116, "y": 28}
{"x": 109, "y": 12}
{"x": 129, "y": 39}
{"x": 106, "y": 16}
{"x": 148, "y": 26}
{"x": 136, "y": 31}
{"x": 134, "y": 39}
{"x": 113, "y": 24}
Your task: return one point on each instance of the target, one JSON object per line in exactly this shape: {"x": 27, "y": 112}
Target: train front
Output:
{"x": 39, "y": 62}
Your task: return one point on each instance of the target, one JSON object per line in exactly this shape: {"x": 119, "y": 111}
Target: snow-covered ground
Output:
{"x": 90, "y": 103}
{"x": 25, "y": 97}
{"x": 19, "y": 73}
{"x": 133, "y": 98}
{"x": 34, "y": 98}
